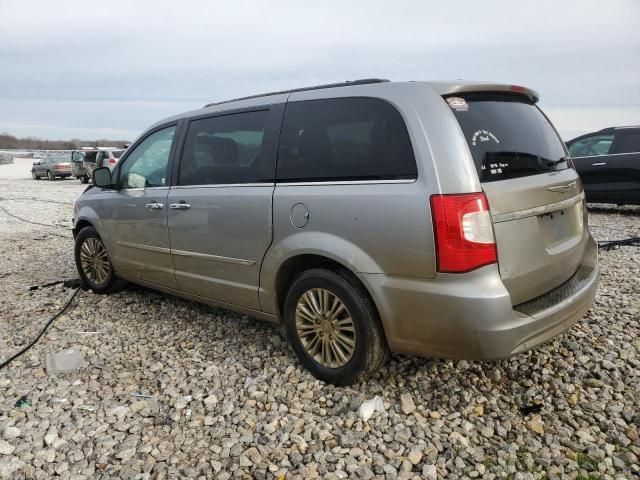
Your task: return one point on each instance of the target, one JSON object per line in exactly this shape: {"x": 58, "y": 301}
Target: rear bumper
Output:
{"x": 471, "y": 317}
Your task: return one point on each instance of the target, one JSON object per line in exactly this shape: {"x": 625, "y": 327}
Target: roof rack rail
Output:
{"x": 622, "y": 127}
{"x": 348, "y": 83}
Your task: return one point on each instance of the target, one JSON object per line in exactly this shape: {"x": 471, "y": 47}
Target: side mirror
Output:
{"x": 102, "y": 177}
{"x": 36, "y": 163}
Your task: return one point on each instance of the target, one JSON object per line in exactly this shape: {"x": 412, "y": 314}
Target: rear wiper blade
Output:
{"x": 515, "y": 153}
{"x": 552, "y": 163}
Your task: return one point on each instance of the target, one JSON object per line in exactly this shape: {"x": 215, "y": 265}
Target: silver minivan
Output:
{"x": 367, "y": 217}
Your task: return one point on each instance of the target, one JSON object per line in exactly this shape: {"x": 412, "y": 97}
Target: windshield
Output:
{"x": 508, "y": 136}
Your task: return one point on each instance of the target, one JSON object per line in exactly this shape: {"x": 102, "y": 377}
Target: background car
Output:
{"x": 77, "y": 166}
{"x": 608, "y": 162}
{"x": 86, "y": 160}
{"x": 51, "y": 167}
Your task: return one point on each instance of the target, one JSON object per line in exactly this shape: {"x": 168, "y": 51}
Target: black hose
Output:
{"x": 609, "y": 244}
{"x": 44, "y": 329}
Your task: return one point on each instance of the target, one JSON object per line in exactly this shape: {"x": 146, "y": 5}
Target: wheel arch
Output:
{"x": 309, "y": 249}
{"x": 298, "y": 263}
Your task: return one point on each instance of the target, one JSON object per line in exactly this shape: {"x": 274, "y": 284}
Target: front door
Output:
{"x": 220, "y": 222}
{"x": 135, "y": 213}
{"x": 41, "y": 167}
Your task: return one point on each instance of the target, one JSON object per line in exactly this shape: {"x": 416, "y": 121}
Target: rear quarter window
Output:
{"x": 344, "y": 139}
{"x": 508, "y": 136}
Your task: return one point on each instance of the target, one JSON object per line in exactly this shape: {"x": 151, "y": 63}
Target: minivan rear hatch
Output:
{"x": 535, "y": 197}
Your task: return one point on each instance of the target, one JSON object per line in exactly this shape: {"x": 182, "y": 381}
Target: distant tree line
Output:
{"x": 32, "y": 143}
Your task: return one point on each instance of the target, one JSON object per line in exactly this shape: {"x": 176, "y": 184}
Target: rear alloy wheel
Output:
{"x": 50, "y": 175}
{"x": 325, "y": 328}
{"x": 333, "y": 327}
{"x": 92, "y": 261}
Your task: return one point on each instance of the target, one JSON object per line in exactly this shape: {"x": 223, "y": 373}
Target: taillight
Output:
{"x": 112, "y": 161}
{"x": 463, "y": 232}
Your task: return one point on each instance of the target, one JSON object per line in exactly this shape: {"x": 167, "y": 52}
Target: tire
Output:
{"x": 370, "y": 351}
{"x": 84, "y": 179}
{"x": 88, "y": 246}
{"x": 50, "y": 175}
{"x": 33, "y": 174}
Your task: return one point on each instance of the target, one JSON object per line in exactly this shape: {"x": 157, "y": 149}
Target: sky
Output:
{"x": 86, "y": 69}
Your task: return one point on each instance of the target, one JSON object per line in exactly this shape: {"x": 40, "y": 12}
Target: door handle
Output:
{"x": 179, "y": 206}
{"x": 599, "y": 164}
{"x": 154, "y": 206}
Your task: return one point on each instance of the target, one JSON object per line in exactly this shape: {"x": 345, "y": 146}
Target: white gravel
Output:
{"x": 223, "y": 397}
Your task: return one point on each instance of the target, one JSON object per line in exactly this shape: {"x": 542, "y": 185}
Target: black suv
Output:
{"x": 608, "y": 162}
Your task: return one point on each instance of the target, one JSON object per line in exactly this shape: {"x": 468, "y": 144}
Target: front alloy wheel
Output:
{"x": 93, "y": 263}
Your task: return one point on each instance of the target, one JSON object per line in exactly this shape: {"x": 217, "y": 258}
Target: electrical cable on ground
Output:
{"x": 609, "y": 244}
{"x": 35, "y": 223}
{"x": 4, "y": 363}
{"x": 35, "y": 199}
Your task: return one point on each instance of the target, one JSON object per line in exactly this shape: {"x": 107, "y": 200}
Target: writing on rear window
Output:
{"x": 483, "y": 136}
{"x": 508, "y": 136}
{"x": 495, "y": 168}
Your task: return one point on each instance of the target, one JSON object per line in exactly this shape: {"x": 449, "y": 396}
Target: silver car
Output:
{"x": 52, "y": 167}
{"x": 368, "y": 217}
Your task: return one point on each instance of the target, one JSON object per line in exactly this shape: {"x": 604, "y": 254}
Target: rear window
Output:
{"x": 508, "y": 136}
{"x": 344, "y": 139}
{"x": 116, "y": 153}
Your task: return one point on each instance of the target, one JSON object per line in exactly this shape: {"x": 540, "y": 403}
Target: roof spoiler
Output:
{"x": 452, "y": 89}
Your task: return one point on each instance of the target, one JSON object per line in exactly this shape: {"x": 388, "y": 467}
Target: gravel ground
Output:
{"x": 227, "y": 399}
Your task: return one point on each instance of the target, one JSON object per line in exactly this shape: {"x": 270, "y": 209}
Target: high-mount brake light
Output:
{"x": 463, "y": 232}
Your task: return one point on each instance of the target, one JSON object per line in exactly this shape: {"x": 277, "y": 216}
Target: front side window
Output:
{"x": 628, "y": 143}
{"x": 344, "y": 139}
{"x": 146, "y": 165}
{"x": 592, "y": 146}
{"x": 226, "y": 149}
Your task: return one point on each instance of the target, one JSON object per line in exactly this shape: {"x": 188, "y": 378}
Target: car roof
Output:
{"x": 372, "y": 85}
{"x": 616, "y": 129}
{"x": 623, "y": 129}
